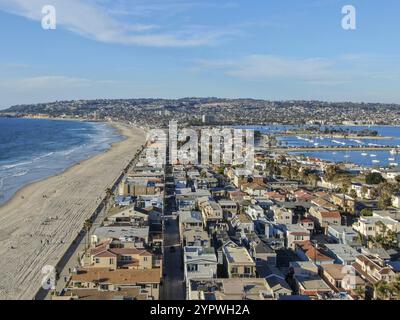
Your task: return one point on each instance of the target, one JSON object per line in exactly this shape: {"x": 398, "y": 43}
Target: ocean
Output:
{"x": 33, "y": 149}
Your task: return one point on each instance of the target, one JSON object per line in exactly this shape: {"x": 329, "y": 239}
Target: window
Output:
{"x": 111, "y": 261}
{"x": 234, "y": 270}
{"x": 97, "y": 260}
{"x": 192, "y": 267}
{"x": 155, "y": 286}
{"x": 144, "y": 258}
{"x": 247, "y": 270}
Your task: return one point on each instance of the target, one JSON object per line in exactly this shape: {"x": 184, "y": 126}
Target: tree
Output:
{"x": 87, "y": 226}
{"x": 374, "y": 178}
{"x": 360, "y": 291}
{"x": 353, "y": 194}
{"x": 366, "y": 212}
{"x": 384, "y": 201}
{"x": 382, "y": 290}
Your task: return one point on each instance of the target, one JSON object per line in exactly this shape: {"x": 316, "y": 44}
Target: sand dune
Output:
{"x": 40, "y": 222}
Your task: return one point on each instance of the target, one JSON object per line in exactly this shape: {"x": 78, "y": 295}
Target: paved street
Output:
{"x": 173, "y": 272}
{"x": 173, "y": 287}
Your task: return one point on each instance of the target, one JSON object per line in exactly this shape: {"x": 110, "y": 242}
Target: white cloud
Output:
{"x": 48, "y": 82}
{"x": 94, "y": 19}
{"x": 314, "y": 70}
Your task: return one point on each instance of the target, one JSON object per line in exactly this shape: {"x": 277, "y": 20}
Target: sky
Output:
{"x": 263, "y": 49}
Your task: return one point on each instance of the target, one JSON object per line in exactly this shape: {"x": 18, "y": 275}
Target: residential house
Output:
{"x": 282, "y": 215}
{"x": 296, "y": 233}
{"x": 343, "y": 253}
{"x": 364, "y": 191}
{"x": 211, "y": 211}
{"x": 308, "y": 224}
{"x": 196, "y": 238}
{"x": 199, "y": 262}
{"x": 229, "y": 208}
{"x": 307, "y": 251}
{"x": 103, "y": 256}
{"x": 342, "y": 278}
{"x": 229, "y": 289}
{"x": 243, "y": 222}
{"x": 263, "y": 254}
{"x": 344, "y": 201}
{"x": 376, "y": 225}
{"x": 237, "y": 262}
{"x": 324, "y": 217}
{"x": 128, "y": 236}
{"x": 371, "y": 271}
{"x": 148, "y": 281}
{"x": 254, "y": 188}
{"x": 343, "y": 235}
{"x": 255, "y": 212}
{"x": 190, "y": 220}
{"x": 307, "y": 280}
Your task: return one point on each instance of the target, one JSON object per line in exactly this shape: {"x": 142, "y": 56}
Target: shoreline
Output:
{"x": 78, "y": 162}
{"x": 66, "y": 199}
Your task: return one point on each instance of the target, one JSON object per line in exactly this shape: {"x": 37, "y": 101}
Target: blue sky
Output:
{"x": 279, "y": 50}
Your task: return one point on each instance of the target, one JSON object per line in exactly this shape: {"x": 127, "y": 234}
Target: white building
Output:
{"x": 371, "y": 226}
{"x": 282, "y": 215}
{"x": 199, "y": 262}
{"x": 255, "y": 212}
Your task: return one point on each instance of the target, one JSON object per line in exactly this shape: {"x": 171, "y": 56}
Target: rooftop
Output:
{"x": 238, "y": 255}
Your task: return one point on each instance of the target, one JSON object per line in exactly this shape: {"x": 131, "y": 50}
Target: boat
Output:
{"x": 394, "y": 151}
{"x": 347, "y": 156}
{"x": 373, "y": 155}
{"x": 375, "y": 161}
{"x": 391, "y": 159}
{"x": 364, "y": 154}
{"x": 394, "y": 164}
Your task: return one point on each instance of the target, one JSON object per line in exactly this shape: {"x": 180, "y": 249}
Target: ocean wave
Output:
{"x": 14, "y": 165}
{"x": 20, "y": 173}
{"x": 43, "y": 156}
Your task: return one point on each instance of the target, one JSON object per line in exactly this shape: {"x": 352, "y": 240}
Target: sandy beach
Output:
{"x": 40, "y": 222}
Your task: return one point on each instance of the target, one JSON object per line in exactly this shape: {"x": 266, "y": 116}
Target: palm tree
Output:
{"x": 109, "y": 193}
{"x": 87, "y": 226}
{"x": 360, "y": 291}
{"x": 381, "y": 290}
{"x": 395, "y": 288}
